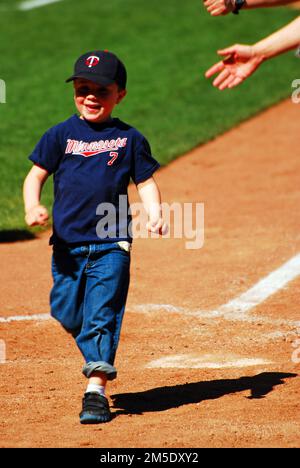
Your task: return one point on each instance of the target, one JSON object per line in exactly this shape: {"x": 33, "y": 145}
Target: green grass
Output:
{"x": 167, "y": 46}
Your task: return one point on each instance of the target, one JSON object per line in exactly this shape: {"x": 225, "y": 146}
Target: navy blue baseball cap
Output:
{"x": 100, "y": 66}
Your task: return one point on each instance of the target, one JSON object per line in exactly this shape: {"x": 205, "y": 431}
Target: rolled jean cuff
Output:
{"x": 100, "y": 366}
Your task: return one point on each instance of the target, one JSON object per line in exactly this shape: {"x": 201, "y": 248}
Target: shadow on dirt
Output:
{"x": 15, "y": 235}
{"x": 164, "y": 398}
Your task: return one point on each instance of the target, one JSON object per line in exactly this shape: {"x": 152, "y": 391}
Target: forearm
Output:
{"x": 279, "y": 42}
{"x": 35, "y": 213}
{"x": 151, "y": 199}
{"x": 31, "y": 192}
{"x": 32, "y": 187}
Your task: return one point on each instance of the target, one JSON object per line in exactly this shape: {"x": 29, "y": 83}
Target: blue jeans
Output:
{"x": 88, "y": 298}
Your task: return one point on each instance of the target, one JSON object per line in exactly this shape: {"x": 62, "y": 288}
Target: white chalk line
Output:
{"x": 202, "y": 314}
{"x": 264, "y": 288}
{"x": 238, "y": 307}
{"x": 2, "y": 352}
{"x": 148, "y": 308}
{"x": 21, "y": 318}
{"x": 207, "y": 361}
{"x": 31, "y": 4}
{"x": 234, "y": 310}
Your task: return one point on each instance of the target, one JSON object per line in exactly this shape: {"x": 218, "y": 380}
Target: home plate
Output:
{"x": 206, "y": 361}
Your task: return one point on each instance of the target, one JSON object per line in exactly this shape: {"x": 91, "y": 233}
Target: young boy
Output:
{"x": 92, "y": 157}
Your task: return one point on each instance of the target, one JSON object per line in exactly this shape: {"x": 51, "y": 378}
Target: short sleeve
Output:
{"x": 143, "y": 165}
{"x": 47, "y": 152}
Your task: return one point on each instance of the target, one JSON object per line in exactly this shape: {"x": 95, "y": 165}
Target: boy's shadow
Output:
{"x": 164, "y": 398}
{"x": 15, "y": 235}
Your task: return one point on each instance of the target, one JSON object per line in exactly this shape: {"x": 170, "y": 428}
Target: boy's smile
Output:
{"x": 95, "y": 102}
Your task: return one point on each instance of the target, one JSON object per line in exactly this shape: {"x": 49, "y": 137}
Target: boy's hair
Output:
{"x": 102, "y": 67}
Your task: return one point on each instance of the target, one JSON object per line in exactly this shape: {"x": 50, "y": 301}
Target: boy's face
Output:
{"x": 95, "y": 102}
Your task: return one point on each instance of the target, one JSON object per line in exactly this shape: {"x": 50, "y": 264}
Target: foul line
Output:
{"x": 31, "y": 4}
{"x": 205, "y": 314}
{"x": 238, "y": 307}
{"x": 264, "y": 288}
{"x": 235, "y": 309}
{"x": 20, "y": 318}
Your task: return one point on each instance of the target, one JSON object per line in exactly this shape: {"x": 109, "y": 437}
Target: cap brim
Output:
{"x": 103, "y": 80}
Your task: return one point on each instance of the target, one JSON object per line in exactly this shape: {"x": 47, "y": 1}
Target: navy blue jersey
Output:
{"x": 92, "y": 165}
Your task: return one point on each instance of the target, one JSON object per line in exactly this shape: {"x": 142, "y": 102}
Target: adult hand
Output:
{"x": 239, "y": 62}
{"x": 219, "y": 7}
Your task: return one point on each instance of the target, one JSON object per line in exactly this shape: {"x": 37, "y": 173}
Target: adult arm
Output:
{"x": 223, "y": 7}
{"x": 241, "y": 61}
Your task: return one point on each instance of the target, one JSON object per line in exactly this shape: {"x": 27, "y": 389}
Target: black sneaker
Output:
{"x": 95, "y": 409}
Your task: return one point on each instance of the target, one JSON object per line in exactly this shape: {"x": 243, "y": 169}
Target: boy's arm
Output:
{"x": 35, "y": 213}
{"x": 150, "y": 196}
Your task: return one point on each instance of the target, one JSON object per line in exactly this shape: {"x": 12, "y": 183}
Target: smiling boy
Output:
{"x": 92, "y": 157}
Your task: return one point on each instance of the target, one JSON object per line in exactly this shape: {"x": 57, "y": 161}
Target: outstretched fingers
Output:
{"x": 227, "y": 83}
{"x": 236, "y": 81}
{"x": 218, "y": 67}
{"x": 221, "y": 78}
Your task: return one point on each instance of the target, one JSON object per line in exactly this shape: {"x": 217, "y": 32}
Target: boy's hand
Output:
{"x": 158, "y": 227}
{"x": 37, "y": 216}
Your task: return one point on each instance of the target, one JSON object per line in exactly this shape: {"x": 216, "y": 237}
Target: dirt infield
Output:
{"x": 189, "y": 375}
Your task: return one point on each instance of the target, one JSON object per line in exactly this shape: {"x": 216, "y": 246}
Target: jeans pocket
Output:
{"x": 124, "y": 245}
